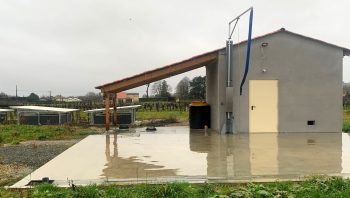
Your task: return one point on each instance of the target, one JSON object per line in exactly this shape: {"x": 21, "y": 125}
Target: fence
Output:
{"x": 145, "y": 106}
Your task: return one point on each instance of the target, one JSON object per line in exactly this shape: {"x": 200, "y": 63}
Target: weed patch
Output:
{"x": 14, "y": 134}
{"x": 312, "y": 187}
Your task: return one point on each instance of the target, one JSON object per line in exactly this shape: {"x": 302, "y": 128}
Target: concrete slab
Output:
{"x": 178, "y": 154}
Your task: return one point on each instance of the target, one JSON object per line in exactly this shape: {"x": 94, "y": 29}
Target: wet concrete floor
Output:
{"x": 178, "y": 154}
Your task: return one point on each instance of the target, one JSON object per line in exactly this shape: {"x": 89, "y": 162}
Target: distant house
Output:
{"x": 121, "y": 97}
{"x": 132, "y": 97}
{"x": 124, "y": 97}
{"x": 67, "y": 99}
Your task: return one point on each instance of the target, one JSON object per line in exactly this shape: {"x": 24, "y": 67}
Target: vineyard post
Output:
{"x": 107, "y": 110}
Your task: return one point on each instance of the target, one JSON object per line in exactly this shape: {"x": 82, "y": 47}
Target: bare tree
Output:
{"x": 91, "y": 96}
{"x": 161, "y": 89}
{"x": 147, "y": 90}
{"x": 156, "y": 88}
{"x": 182, "y": 88}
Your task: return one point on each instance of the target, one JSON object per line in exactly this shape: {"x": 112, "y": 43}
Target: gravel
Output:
{"x": 33, "y": 154}
{"x": 16, "y": 161}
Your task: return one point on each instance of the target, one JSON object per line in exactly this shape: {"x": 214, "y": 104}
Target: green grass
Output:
{"x": 14, "y": 134}
{"x": 346, "y": 121}
{"x": 327, "y": 187}
{"x": 179, "y": 116}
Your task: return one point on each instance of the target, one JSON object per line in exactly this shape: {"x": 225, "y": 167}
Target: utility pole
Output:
{"x": 16, "y": 92}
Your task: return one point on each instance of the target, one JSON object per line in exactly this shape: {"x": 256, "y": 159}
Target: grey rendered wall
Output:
{"x": 216, "y": 91}
{"x": 310, "y": 82}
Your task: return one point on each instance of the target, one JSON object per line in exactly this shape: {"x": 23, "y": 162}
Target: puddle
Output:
{"x": 175, "y": 153}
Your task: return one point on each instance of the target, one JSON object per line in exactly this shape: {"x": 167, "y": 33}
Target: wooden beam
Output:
{"x": 115, "y": 109}
{"x": 107, "y": 111}
{"x": 159, "y": 74}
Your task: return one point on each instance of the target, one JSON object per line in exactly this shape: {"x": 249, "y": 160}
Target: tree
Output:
{"x": 156, "y": 88}
{"x": 197, "y": 88}
{"x": 161, "y": 89}
{"x": 182, "y": 88}
{"x": 3, "y": 95}
{"x": 91, "y": 96}
{"x": 346, "y": 94}
{"x": 33, "y": 98}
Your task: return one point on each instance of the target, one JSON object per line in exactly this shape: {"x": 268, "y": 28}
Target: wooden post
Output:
{"x": 107, "y": 111}
{"x": 115, "y": 109}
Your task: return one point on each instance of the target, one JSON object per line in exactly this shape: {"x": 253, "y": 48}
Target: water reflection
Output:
{"x": 130, "y": 167}
{"x": 270, "y": 155}
{"x": 175, "y": 153}
{"x": 213, "y": 156}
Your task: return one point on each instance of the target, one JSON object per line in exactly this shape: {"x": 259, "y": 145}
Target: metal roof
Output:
{"x": 44, "y": 109}
{"x": 6, "y": 110}
{"x": 120, "y": 108}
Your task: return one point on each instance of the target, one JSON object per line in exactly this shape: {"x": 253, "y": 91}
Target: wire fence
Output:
{"x": 145, "y": 106}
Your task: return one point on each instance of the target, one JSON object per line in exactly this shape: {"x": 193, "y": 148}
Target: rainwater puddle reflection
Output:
{"x": 175, "y": 153}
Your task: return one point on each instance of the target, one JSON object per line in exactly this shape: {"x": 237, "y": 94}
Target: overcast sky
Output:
{"x": 70, "y": 46}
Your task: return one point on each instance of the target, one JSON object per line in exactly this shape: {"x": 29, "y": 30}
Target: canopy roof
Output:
{"x": 118, "y": 108}
{"x": 5, "y": 110}
{"x": 43, "y": 109}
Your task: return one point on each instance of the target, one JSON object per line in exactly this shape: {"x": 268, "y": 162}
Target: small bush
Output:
{"x": 88, "y": 192}
{"x": 15, "y": 134}
{"x": 15, "y": 142}
{"x": 43, "y": 137}
{"x": 48, "y": 190}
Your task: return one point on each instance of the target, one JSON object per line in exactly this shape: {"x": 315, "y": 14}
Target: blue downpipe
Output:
{"x": 248, "y": 51}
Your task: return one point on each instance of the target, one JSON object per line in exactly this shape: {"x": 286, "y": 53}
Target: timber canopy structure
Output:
{"x": 110, "y": 90}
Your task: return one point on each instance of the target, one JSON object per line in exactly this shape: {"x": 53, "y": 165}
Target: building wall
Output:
{"x": 133, "y": 96}
{"x": 310, "y": 82}
{"x": 216, "y": 91}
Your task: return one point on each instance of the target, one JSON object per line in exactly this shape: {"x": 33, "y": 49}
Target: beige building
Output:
{"x": 133, "y": 97}
{"x": 128, "y": 98}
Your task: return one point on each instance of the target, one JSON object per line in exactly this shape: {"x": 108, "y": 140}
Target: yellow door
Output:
{"x": 263, "y": 105}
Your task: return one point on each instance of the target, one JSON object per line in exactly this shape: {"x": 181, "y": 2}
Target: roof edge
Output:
{"x": 160, "y": 68}
{"x": 346, "y": 52}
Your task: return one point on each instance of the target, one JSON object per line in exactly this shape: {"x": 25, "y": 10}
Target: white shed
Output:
{"x": 40, "y": 115}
